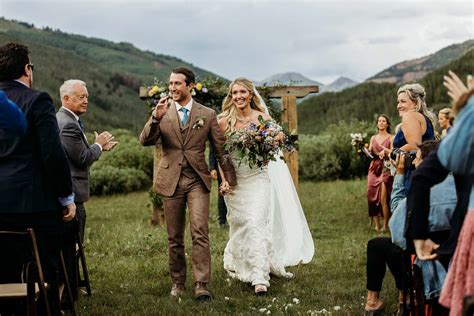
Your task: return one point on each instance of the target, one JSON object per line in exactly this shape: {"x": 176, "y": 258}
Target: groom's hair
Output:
{"x": 13, "y": 58}
{"x": 188, "y": 73}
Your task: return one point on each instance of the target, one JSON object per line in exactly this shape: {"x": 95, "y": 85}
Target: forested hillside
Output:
{"x": 113, "y": 72}
{"x": 367, "y": 100}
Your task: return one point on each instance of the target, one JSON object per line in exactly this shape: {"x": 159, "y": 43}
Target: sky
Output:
{"x": 320, "y": 39}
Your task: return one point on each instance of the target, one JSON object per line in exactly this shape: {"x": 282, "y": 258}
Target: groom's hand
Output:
{"x": 225, "y": 188}
{"x": 161, "y": 108}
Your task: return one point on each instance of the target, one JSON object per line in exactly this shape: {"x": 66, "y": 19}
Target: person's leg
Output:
{"x": 198, "y": 202}
{"x": 70, "y": 259}
{"x": 81, "y": 219}
{"x": 375, "y": 271}
{"x": 221, "y": 208}
{"x": 175, "y": 217}
{"x": 385, "y": 208}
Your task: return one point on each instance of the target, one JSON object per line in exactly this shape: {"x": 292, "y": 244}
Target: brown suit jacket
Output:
{"x": 192, "y": 147}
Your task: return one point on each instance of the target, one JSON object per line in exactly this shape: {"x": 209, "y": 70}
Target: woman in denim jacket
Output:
{"x": 381, "y": 250}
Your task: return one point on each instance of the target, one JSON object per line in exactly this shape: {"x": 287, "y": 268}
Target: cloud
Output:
{"x": 320, "y": 39}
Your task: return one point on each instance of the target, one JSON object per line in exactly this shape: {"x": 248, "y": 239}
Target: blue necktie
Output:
{"x": 81, "y": 125}
{"x": 185, "y": 116}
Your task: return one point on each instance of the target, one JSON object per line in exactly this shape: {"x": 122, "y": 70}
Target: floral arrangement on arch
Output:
{"x": 258, "y": 144}
{"x": 358, "y": 142}
{"x": 210, "y": 91}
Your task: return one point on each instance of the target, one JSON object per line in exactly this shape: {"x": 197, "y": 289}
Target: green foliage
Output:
{"x": 155, "y": 199}
{"x": 112, "y": 71}
{"x": 111, "y": 180}
{"x": 365, "y": 101}
{"x": 128, "y": 167}
{"x": 330, "y": 154}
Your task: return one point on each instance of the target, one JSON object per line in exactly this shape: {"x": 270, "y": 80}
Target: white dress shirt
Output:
{"x": 188, "y": 106}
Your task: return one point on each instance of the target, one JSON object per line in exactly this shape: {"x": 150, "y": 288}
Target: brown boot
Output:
{"x": 201, "y": 292}
{"x": 177, "y": 290}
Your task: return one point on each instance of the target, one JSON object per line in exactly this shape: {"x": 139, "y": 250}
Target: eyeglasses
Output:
{"x": 32, "y": 67}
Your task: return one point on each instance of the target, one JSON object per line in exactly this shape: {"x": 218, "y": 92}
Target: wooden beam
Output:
{"x": 298, "y": 92}
{"x": 143, "y": 93}
{"x": 289, "y": 116}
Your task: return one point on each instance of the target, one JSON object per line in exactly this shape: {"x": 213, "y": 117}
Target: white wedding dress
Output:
{"x": 267, "y": 227}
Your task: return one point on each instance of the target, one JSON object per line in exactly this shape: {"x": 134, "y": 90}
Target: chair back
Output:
{"x": 21, "y": 262}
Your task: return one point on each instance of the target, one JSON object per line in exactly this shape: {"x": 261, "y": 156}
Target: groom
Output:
{"x": 183, "y": 126}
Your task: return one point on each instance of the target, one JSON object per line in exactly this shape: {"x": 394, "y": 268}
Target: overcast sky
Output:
{"x": 319, "y": 39}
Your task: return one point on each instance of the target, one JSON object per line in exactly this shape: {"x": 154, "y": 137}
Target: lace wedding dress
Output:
{"x": 267, "y": 227}
{"x": 248, "y": 254}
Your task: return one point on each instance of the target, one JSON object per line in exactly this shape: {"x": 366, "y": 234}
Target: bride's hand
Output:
{"x": 225, "y": 188}
{"x": 279, "y": 138}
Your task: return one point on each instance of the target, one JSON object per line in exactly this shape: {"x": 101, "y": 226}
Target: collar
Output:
{"x": 187, "y": 106}
{"x": 75, "y": 115}
{"x": 21, "y": 82}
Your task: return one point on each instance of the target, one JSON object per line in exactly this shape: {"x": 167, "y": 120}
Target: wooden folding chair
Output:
{"x": 81, "y": 263}
{"x": 412, "y": 283}
{"x": 30, "y": 289}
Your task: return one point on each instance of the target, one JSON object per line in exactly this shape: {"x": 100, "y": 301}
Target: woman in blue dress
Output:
{"x": 417, "y": 123}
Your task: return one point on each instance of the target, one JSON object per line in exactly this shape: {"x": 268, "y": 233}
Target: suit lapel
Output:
{"x": 72, "y": 118}
{"x": 195, "y": 111}
{"x": 174, "y": 120}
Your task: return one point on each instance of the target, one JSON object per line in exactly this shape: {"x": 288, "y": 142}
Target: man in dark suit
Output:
{"x": 74, "y": 99}
{"x": 35, "y": 179}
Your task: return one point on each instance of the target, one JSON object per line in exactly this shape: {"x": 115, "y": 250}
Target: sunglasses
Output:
{"x": 31, "y": 66}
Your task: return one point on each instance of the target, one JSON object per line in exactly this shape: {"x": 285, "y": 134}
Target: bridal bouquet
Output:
{"x": 357, "y": 142}
{"x": 257, "y": 145}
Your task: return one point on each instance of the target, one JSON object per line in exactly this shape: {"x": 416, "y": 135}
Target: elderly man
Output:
{"x": 74, "y": 100}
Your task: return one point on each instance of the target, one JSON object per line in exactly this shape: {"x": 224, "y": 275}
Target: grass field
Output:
{"x": 128, "y": 264}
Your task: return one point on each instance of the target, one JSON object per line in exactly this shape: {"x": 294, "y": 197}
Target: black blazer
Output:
{"x": 81, "y": 156}
{"x": 36, "y": 173}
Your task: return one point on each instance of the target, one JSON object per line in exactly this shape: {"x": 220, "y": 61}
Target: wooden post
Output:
{"x": 158, "y": 215}
{"x": 288, "y": 95}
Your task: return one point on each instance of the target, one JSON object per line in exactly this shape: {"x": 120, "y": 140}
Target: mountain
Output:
{"x": 368, "y": 99}
{"x": 297, "y": 79}
{"x": 113, "y": 71}
{"x": 339, "y": 84}
{"x": 415, "y": 69}
{"x": 288, "y": 78}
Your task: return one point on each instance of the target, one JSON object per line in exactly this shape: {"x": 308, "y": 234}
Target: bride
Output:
{"x": 267, "y": 227}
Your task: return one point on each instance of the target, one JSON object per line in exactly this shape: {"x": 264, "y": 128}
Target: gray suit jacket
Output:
{"x": 79, "y": 153}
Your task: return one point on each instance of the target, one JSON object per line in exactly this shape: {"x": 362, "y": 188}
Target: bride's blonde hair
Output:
{"x": 229, "y": 112}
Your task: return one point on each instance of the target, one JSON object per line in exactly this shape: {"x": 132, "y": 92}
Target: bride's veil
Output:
{"x": 291, "y": 238}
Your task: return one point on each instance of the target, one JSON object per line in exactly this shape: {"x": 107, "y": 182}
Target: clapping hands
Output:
{"x": 456, "y": 87}
{"x": 105, "y": 140}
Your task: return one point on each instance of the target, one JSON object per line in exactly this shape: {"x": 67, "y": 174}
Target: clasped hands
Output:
{"x": 105, "y": 140}
{"x": 225, "y": 188}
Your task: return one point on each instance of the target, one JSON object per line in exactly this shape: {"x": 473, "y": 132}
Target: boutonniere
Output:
{"x": 199, "y": 122}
